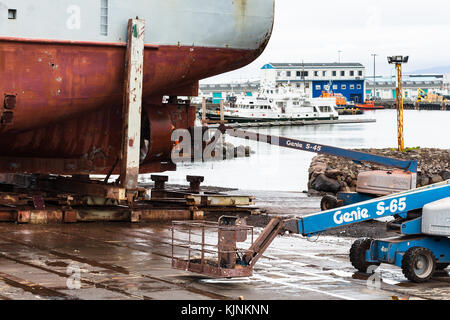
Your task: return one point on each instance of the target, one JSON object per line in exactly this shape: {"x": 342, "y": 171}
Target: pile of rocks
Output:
{"x": 331, "y": 174}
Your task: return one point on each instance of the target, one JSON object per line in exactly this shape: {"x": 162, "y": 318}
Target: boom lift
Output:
{"x": 423, "y": 220}
{"x": 422, "y": 217}
{"x": 369, "y": 183}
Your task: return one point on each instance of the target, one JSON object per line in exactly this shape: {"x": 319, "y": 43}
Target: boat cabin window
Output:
{"x": 325, "y": 109}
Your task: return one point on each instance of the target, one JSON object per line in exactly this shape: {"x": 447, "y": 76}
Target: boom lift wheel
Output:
{"x": 418, "y": 264}
{"x": 358, "y": 254}
{"x": 328, "y": 202}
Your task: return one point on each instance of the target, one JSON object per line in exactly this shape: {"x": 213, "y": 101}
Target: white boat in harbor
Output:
{"x": 276, "y": 104}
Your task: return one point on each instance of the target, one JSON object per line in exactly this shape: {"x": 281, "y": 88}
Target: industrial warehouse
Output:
{"x": 222, "y": 167}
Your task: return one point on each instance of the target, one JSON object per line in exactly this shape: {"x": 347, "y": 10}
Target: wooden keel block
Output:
{"x": 164, "y": 215}
{"x": 70, "y": 216}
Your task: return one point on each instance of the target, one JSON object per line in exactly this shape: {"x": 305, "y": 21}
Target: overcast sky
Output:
{"x": 314, "y": 31}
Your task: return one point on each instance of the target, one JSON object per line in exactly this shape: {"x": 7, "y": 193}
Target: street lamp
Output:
{"x": 398, "y": 61}
{"x": 339, "y": 56}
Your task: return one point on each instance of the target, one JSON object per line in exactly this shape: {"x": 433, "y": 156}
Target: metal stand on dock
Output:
{"x": 44, "y": 199}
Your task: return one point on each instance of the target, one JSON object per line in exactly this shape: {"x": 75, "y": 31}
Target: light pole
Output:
{"x": 374, "y": 83}
{"x": 398, "y": 61}
{"x": 339, "y": 56}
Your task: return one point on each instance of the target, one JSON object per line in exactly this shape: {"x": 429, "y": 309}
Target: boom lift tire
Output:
{"x": 358, "y": 254}
{"x": 418, "y": 264}
{"x": 328, "y": 202}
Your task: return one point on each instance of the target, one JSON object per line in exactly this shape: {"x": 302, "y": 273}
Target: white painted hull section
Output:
{"x": 237, "y": 24}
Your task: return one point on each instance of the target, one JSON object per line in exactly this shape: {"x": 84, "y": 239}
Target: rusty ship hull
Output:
{"x": 62, "y": 92}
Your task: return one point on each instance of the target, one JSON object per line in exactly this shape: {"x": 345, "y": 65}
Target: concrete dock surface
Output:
{"x": 108, "y": 261}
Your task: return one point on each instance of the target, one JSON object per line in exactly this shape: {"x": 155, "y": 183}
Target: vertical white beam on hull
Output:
{"x": 132, "y": 107}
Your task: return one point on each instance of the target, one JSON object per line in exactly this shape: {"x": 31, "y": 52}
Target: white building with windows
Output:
{"x": 314, "y": 78}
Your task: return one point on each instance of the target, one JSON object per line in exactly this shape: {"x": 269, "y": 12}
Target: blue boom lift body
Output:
{"x": 422, "y": 217}
{"x": 419, "y": 251}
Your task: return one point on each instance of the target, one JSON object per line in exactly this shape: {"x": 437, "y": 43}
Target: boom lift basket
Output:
{"x": 211, "y": 248}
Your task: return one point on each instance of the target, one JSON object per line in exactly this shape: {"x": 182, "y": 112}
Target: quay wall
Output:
{"x": 387, "y": 104}
{"x": 411, "y": 105}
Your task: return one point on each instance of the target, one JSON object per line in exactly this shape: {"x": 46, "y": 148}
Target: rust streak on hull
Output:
{"x": 54, "y": 81}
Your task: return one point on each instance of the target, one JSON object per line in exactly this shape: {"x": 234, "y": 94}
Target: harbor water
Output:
{"x": 275, "y": 168}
